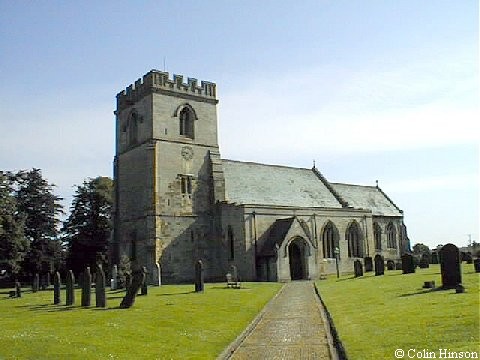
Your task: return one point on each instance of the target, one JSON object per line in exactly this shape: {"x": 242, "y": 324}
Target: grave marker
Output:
{"x": 450, "y": 266}
{"x": 199, "y": 281}
{"x": 379, "y": 265}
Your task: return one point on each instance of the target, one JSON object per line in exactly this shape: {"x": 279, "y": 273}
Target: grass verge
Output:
{"x": 171, "y": 322}
{"x": 375, "y": 315}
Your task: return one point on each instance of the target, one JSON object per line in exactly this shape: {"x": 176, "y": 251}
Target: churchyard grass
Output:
{"x": 171, "y": 322}
{"x": 375, "y": 315}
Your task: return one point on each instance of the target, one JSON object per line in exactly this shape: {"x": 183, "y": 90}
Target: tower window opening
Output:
{"x": 186, "y": 123}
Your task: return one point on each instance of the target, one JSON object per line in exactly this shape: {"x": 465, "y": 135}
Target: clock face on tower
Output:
{"x": 187, "y": 152}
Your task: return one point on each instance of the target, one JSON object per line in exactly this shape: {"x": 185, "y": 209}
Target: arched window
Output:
{"x": 186, "y": 122}
{"x": 329, "y": 240}
{"x": 231, "y": 242}
{"x": 377, "y": 235}
{"x": 353, "y": 237}
{"x": 133, "y": 129}
{"x": 391, "y": 236}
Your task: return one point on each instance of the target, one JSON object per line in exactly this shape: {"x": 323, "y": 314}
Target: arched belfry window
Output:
{"x": 391, "y": 236}
{"x": 354, "y": 239}
{"x": 187, "y": 118}
{"x": 329, "y": 240}
{"x": 132, "y": 135}
{"x": 377, "y": 235}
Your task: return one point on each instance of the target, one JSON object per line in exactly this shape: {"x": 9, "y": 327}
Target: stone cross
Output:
{"x": 199, "y": 281}
{"x": 450, "y": 266}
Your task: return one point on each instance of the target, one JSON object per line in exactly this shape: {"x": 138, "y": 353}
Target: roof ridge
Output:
{"x": 341, "y": 183}
{"x": 271, "y": 165}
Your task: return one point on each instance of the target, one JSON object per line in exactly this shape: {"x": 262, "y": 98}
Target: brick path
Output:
{"x": 291, "y": 328}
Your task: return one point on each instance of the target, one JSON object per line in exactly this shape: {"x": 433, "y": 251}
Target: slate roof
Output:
{"x": 367, "y": 197}
{"x": 260, "y": 184}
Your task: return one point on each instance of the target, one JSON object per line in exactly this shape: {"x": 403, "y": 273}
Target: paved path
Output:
{"x": 291, "y": 328}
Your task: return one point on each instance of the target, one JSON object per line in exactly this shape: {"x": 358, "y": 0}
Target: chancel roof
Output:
{"x": 367, "y": 197}
{"x": 260, "y": 184}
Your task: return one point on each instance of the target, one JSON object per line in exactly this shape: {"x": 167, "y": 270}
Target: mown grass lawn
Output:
{"x": 375, "y": 315}
{"x": 171, "y": 322}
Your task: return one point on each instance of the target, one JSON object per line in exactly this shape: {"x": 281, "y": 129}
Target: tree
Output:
{"x": 13, "y": 244}
{"x": 420, "y": 249}
{"x": 87, "y": 229}
{"x": 41, "y": 208}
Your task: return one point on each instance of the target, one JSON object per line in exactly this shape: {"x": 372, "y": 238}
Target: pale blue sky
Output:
{"x": 385, "y": 90}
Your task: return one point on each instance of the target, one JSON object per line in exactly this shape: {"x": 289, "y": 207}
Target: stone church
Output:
{"x": 177, "y": 201}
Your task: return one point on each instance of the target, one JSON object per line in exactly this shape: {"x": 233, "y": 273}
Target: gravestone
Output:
{"x": 357, "y": 268}
{"x": 199, "y": 283}
{"x": 100, "y": 297}
{"x": 390, "y": 265}
{"x": 476, "y": 264}
{"x": 86, "y": 287}
{"x": 368, "y": 264}
{"x": 144, "y": 289}
{"x": 18, "y": 289}
{"x": 159, "y": 274}
{"x": 70, "y": 287}
{"x": 379, "y": 265}
{"x": 450, "y": 266}
{"x": 398, "y": 266}
{"x": 132, "y": 290}
{"x": 424, "y": 262}
{"x": 408, "y": 264}
{"x": 36, "y": 282}
{"x": 114, "y": 280}
{"x": 56, "y": 288}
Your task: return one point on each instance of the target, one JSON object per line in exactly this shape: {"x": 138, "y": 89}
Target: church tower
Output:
{"x": 166, "y": 136}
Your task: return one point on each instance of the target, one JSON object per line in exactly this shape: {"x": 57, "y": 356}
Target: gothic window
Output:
{"x": 329, "y": 240}
{"x": 377, "y": 235}
{"x": 353, "y": 238}
{"x": 391, "y": 236}
{"x": 231, "y": 242}
{"x": 186, "y": 122}
{"x": 186, "y": 185}
{"x": 133, "y": 129}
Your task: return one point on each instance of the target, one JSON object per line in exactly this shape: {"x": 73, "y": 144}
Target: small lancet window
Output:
{"x": 186, "y": 184}
{"x": 186, "y": 122}
{"x": 391, "y": 236}
{"x": 353, "y": 237}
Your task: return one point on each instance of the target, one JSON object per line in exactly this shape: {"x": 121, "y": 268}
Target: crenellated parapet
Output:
{"x": 159, "y": 82}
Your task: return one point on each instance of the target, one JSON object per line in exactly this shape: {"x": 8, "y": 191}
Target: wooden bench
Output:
{"x": 232, "y": 282}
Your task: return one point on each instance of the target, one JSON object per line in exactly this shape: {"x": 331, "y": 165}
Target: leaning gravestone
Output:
{"x": 199, "y": 281}
{"x": 379, "y": 265}
{"x": 368, "y": 264}
{"x": 70, "y": 286}
{"x": 357, "y": 268}
{"x": 56, "y": 288}
{"x": 132, "y": 290}
{"x": 100, "y": 297}
{"x": 476, "y": 264}
{"x": 408, "y": 264}
{"x": 450, "y": 266}
{"x": 86, "y": 287}
{"x": 424, "y": 262}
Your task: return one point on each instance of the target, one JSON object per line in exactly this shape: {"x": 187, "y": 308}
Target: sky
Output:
{"x": 370, "y": 90}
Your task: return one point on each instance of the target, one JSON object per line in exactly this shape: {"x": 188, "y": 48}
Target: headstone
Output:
{"x": 144, "y": 289}
{"x": 450, "y": 266}
{"x": 86, "y": 287}
{"x": 70, "y": 287}
{"x": 56, "y": 288}
{"x": 398, "y": 266}
{"x": 357, "y": 268}
{"x": 408, "y": 264}
{"x": 36, "y": 282}
{"x": 199, "y": 281}
{"x": 424, "y": 262}
{"x": 132, "y": 290}
{"x": 368, "y": 264}
{"x": 113, "y": 279}
{"x": 429, "y": 284}
{"x": 379, "y": 265}
{"x": 100, "y": 297}
{"x": 390, "y": 265}
{"x": 159, "y": 274}
{"x": 476, "y": 264}
{"x": 18, "y": 289}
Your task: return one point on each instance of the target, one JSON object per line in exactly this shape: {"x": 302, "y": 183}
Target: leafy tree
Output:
{"x": 420, "y": 249}
{"x": 87, "y": 229}
{"x": 41, "y": 208}
{"x": 13, "y": 244}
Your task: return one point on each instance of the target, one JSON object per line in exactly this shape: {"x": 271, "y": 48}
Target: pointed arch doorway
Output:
{"x": 296, "y": 258}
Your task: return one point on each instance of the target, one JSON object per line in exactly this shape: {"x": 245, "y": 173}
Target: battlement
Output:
{"x": 158, "y": 81}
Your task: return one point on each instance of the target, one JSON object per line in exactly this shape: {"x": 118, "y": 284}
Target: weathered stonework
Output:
{"x": 177, "y": 201}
